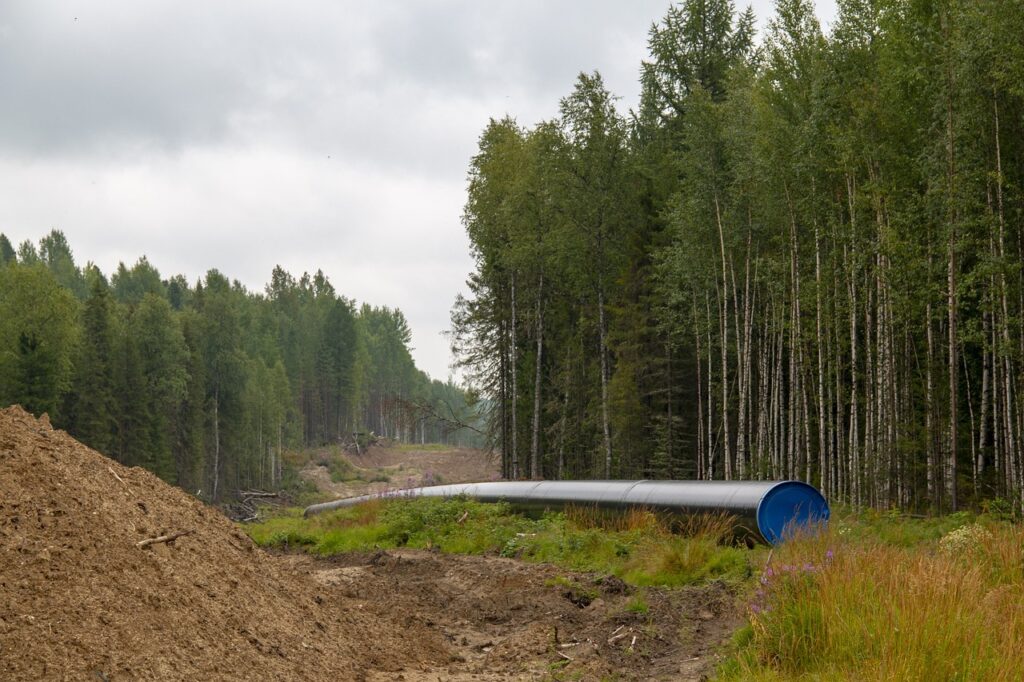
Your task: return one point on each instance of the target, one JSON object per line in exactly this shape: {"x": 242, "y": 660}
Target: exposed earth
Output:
{"x": 81, "y": 599}
{"x": 501, "y": 619}
{"x": 401, "y": 467}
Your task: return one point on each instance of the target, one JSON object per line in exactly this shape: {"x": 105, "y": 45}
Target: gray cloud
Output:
{"x": 317, "y": 134}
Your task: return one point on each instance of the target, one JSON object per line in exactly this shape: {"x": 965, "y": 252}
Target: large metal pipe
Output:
{"x": 768, "y": 509}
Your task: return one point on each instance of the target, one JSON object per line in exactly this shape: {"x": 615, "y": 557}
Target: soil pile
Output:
{"x": 79, "y": 599}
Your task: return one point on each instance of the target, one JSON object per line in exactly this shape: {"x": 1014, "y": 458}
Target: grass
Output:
{"x": 876, "y": 596}
{"x": 638, "y": 547}
{"x": 638, "y": 605}
{"x": 882, "y": 597}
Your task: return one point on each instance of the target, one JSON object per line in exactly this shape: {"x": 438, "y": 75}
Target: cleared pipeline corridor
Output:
{"x": 767, "y": 509}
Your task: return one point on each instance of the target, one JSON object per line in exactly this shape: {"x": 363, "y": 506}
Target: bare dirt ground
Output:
{"x": 501, "y": 619}
{"x": 79, "y": 599}
{"x": 405, "y": 467}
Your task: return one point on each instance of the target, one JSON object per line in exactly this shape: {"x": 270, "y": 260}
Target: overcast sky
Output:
{"x": 242, "y": 134}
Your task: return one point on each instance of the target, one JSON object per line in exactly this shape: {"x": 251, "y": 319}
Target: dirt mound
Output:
{"x": 81, "y": 600}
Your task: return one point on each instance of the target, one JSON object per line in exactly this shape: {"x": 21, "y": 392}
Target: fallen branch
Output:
{"x": 612, "y": 640}
{"x": 170, "y": 537}
{"x": 450, "y": 424}
{"x": 568, "y": 658}
{"x": 117, "y": 477}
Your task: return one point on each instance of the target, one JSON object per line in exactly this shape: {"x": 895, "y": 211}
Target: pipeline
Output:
{"x": 767, "y": 509}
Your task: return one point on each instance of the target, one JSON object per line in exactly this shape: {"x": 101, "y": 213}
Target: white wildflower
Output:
{"x": 964, "y": 539}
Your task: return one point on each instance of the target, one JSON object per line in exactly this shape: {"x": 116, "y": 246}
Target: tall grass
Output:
{"x": 640, "y": 547}
{"x": 867, "y": 608}
{"x": 875, "y": 596}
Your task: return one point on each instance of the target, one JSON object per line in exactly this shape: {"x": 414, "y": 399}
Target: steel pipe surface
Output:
{"x": 768, "y": 509}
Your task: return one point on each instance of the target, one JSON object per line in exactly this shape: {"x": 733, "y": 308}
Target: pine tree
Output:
{"x": 92, "y": 414}
{"x": 7, "y": 253}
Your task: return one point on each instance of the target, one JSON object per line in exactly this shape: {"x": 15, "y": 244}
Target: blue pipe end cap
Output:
{"x": 790, "y": 507}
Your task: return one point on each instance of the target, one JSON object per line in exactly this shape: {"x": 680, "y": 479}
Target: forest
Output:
{"x": 207, "y": 384}
{"x": 798, "y": 257}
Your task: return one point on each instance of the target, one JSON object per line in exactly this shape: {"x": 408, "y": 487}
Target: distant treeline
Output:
{"x": 800, "y": 257}
{"x": 206, "y": 384}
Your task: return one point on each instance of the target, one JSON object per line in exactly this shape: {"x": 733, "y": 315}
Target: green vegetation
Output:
{"x": 338, "y": 466}
{"x": 208, "y": 384}
{"x": 638, "y": 604}
{"x": 302, "y": 491}
{"x": 801, "y": 256}
{"x": 883, "y": 597}
{"x": 639, "y": 548}
{"x": 342, "y": 470}
{"x": 877, "y": 596}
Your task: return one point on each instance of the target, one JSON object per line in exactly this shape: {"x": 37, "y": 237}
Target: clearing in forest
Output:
{"x": 338, "y": 472}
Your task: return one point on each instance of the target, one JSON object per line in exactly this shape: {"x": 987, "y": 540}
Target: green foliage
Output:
{"x": 38, "y": 337}
{"x": 92, "y": 403}
{"x": 130, "y": 285}
{"x": 206, "y": 385}
{"x": 341, "y": 470}
{"x": 652, "y": 556}
{"x": 896, "y": 529}
{"x": 638, "y": 604}
{"x": 55, "y": 253}
{"x": 7, "y": 253}
{"x": 799, "y": 259}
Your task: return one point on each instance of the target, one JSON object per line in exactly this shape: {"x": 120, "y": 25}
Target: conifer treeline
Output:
{"x": 801, "y": 257}
{"x": 206, "y": 385}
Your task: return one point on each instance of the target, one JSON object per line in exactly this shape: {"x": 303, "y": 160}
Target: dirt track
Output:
{"x": 80, "y": 600}
{"x": 405, "y": 468}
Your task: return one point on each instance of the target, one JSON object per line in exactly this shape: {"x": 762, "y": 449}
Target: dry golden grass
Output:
{"x": 833, "y": 608}
{"x": 718, "y": 528}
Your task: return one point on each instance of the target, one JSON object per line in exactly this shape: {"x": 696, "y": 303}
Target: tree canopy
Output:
{"x": 799, "y": 258}
{"x": 207, "y": 384}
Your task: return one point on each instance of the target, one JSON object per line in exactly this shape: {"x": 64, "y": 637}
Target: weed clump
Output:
{"x": 964, "y": 540}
